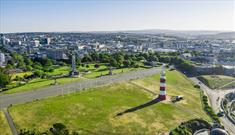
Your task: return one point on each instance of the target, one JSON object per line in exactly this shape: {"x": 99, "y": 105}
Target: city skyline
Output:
{"x": 104, "y": 15}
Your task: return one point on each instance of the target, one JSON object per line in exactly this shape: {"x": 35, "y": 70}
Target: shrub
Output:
{"x": 189, "y": 127}
{"x": 96, "y": 66}
{"x": 197, "y": 86}
{"x": 38, "y": 73}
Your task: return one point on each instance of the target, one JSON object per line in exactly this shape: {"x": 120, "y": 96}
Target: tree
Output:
{"x": 87, "y": 58}
{"x": 59, "y": 129}
{"x": 78, "y": 61}
{"x": 153, "y": 58}
{"x": 37, "y": 65}
{"x": 96, "y": 66}
{"x": 29, "y": 68}
{"x": 56, "y": 129}
{"x": 104, "y": 57}
{"x": 95, "y": 56}
{"x": 21, "y": 65}
{"x": 46, "y": 62}
{"x": 9, "y": 66}
{"x": 132, "y": 63}
{"x": 4, "y": 79}
{"x": 141, "y": 58}
{"x": 28, "y": 61}
{"x": 127, "y": 63}
{"x": 38, "y": 73}
{"x": 17, "y": 57}
{"x": 27, "y": 132}
{"x": 113, "y": 63}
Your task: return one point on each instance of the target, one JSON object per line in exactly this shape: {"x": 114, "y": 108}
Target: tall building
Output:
{"x": 2, "y": 59}
{"x": 162, "y": 95}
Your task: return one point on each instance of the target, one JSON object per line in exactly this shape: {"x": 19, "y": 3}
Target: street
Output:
{"x": 213, "y": 96}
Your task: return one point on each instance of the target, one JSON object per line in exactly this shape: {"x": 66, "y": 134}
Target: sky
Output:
{"x": 115, "y": 15}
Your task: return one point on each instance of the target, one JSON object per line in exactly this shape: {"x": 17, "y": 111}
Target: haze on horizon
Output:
{"x": 114, "y": 15}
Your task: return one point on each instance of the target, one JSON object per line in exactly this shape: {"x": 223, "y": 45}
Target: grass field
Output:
{"x": 94, "y": 111}
{"x": 39, "y": 83}
{"x": 97, "y": 73}
{"x": 4, "y": 127}
{"x": 217, "y": 81}
{"x": 60, "y": 70}
{"x": 103, "y": 69}
{"x": 13, "y": 76}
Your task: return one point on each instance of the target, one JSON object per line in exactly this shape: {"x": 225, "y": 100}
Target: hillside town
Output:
{"x": 59, "y": 46}
{"x": 117, "y": 67}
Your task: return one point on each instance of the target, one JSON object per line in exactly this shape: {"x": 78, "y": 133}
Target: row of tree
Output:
{"x": 40, "y": 66}
{"x": 56, "y": 129}
{"x": 119, "y": 59}
{"x": 4, "y": 78}
{"x": 27, "y": 64}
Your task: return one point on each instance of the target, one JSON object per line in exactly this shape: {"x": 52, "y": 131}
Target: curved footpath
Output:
{"x": 56, "y": 90}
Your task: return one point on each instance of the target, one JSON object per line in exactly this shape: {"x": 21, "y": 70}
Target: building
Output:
{"x": 45, "y": 41}
{"x": 48, "y": 41}
{"x": 35, "y": 43}
{"x": 2, "y": 59}
{"x": 57, "y": 54}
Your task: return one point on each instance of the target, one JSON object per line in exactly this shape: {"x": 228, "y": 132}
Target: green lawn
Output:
{"x": 102, "y": 70}
{"x": 60, "y": 70}
{"x": 22, "y": 74}
{"x": 217, "y": 81}
{"x": 97, "y": 73}
{"x": 39, "y": 83}
{"x": 4, "y": 127}
{"x": 230, "y": 85}
{"x": 94, "y": 111}
{"x": 92, "y": 68}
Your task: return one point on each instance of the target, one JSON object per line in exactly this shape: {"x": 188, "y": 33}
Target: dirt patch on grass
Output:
{"x": 157, "y": 128}
{"x": 126, "y": 119}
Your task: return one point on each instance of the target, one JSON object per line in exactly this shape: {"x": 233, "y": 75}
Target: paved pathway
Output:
{"x": 10, "y": 122}
{"x": 29, "y": 96}
{"x": 226, "y": 84}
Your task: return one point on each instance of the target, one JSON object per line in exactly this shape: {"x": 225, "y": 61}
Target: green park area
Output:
{"x": 104, "y": 70}
{"x": 218, "y": 81}
{"x": 4, "y": 127}
{"x": 37, "y": 83}
{"x": 88, "y": 71}
{"x": 94, "y": 111}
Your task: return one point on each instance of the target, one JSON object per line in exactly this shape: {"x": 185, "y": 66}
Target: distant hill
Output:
{"x": 225, "y": 35}
{"x": 188, "y": 34}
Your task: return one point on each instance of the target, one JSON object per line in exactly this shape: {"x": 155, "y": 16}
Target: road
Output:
{"x": 28, "y": 96}
{"x": 213, "y": 96}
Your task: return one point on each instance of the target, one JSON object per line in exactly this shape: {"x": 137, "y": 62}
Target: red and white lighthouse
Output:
{"x": 162, "y": 95}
